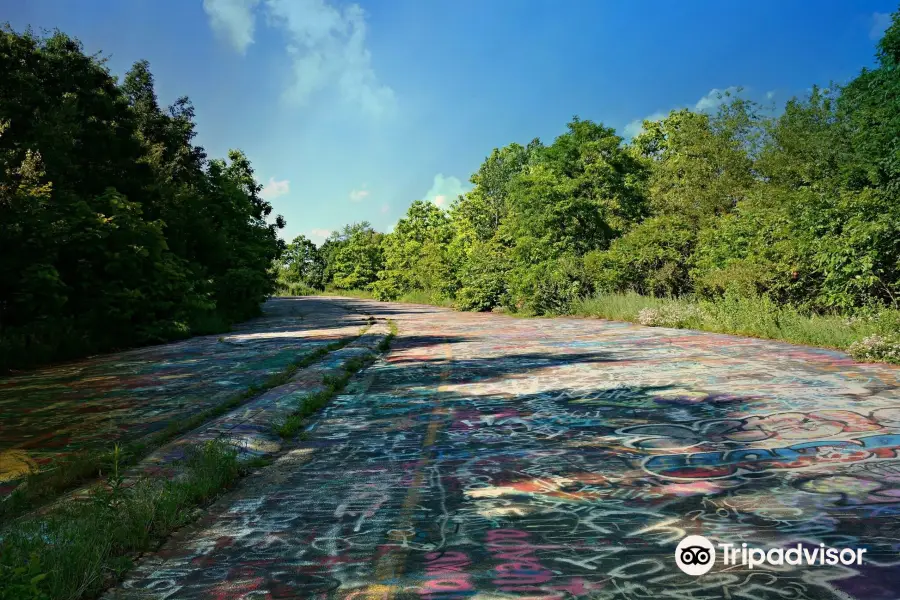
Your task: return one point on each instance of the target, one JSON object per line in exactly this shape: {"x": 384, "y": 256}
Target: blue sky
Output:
{"x": 350, "y": 111}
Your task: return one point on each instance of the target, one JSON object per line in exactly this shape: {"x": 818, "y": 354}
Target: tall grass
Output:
{"x": 332, "y": 384}
{"x": 83, "y": 547}
{"x": 360, "y": 294}
{"x": 755, "y": 317}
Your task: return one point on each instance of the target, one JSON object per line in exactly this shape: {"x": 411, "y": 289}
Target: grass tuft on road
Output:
{"x": 312, "y": 403}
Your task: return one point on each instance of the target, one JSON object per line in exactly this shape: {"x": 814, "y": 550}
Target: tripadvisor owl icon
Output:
{"x": 695, "y": 555}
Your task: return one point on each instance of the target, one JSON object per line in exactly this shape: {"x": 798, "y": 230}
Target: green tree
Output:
{"x": 603, "y": 173}
{"x": 414, "y": 253}
{"x": 700, "y": 165}
{"x": 805, "y": 148}
{"x": 353, "y": 257}
{"x": 302, "y": 263}
{"x": 869, "y": 111}
{"x": 114, "y": 228}
{"x": 480, "y": 212}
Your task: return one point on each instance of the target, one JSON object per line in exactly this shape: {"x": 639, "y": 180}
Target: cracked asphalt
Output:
{"x": 491, "y": 457}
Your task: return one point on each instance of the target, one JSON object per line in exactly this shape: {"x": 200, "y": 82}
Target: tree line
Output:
{"x": 115, "y": 229}
{"x": 799, "y": 205}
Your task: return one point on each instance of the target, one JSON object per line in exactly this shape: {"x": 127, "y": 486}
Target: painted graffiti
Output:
{"x": 713, "y": 465}
{"x": 52, "y": 412}
{"x": 491, "y": 457}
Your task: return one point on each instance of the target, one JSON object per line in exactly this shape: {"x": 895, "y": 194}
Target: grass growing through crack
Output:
{"x": 333, "y": 385}
{"x": 311, "y": 403}
{"x": 87, "y": 465}
{"x": 385, "y": 344}
{"x": 80, "y": 548}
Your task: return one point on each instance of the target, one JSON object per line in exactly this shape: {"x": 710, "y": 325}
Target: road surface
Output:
{"x": 52, "y": 412}
{"x": 489, "y": 457}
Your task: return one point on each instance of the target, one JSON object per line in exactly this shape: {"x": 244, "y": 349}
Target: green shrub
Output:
{"x": 653, "y": 258}
{"x": 294, "y": 288}
{"x": 386, "y": 289}
{"x": 23, "y": 582}
{"x": 671, "y": 315}
{"x": 881, "y": 348}
{"x": 550, "y": 287}
{"x": 82, "y": 546}
{"x": 484, "y": 279}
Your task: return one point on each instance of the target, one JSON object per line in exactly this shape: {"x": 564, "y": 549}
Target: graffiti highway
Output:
{"x": 488, "y": 457}
{"x": 52, "y": 412}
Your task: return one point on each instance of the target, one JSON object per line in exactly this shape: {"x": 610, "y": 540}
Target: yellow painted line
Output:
{"x": 392, "y": 565}
{"x": 15, "y": 464}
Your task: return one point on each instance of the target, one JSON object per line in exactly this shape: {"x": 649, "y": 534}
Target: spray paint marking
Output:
{"x": 392, "y": 565}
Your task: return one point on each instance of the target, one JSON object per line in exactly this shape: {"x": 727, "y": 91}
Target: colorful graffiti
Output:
{"x": 488, "y": 457}
{"x": 55, "y": 411}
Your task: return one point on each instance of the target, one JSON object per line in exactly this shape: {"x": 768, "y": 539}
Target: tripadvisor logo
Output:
{"x": 696, "y": 555}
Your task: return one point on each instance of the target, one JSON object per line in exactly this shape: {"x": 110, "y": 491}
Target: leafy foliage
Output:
{"x": 414, "y": 253}
{"x": 354, "y": 257}
{"x": 115, "y": 229}
{"x": 738, "y": 207}
{"x": 653, "y": 258}
{"x": 119, "y": 230}
{"x": 301, "y": 264}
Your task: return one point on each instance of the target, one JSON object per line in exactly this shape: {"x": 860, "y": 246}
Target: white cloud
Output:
{"x": 714, "y": 98}
{"x": 274, "y": 189}
{"x": 318, "y": 235}
{"x": 880, "y": 23}
{"x": 710, "y": 101}
{"x": 327, "y": 46}
{"x": 637, "y": 126}
{"x": 385, "y": 208}
{"x": 360, "y": 194}
{"x": 770, "y": 94}
{"x": 444, "y": 190}
{"x": 233, "y": 20}
{"x": 325, "y": 42}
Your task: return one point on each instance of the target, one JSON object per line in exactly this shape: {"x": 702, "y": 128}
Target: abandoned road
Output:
{"x": 57, "y": 411}
{"x": 491, "y": 457}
